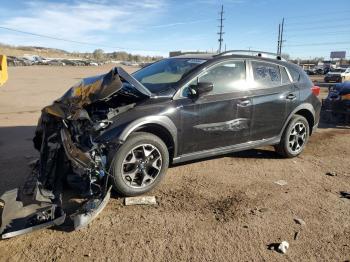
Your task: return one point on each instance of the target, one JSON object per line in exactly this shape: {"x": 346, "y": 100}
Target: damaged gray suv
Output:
{"x": 122, "y": 131}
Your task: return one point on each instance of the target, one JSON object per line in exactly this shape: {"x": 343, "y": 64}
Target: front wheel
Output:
{"x": 139, "y": 165}
{"x": 294, "y": 137}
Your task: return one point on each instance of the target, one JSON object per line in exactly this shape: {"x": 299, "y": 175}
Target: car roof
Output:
{"x": 196, "y": 56}
{"x": 215, "y": 57}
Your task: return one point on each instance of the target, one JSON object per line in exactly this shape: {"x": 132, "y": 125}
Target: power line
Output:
{"x": 328, "y": 26}
{"x": 324, "y": 33}
{"x": 316, "y": 21}
{"x": 319, "y": 13}
{"x": 320, "y": 44}
{"x": 221, "y": 26}
{"x": 73, "y": 41}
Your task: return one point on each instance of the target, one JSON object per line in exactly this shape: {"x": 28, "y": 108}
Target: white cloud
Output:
{"x": 82, "y": 20}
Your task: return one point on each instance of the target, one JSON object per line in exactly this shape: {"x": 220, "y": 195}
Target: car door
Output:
{"x": 221, "y": 117}
{"x": 273, "y": 96}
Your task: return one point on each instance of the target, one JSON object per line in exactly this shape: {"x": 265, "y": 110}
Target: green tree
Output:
{"x": 98, "y": 54}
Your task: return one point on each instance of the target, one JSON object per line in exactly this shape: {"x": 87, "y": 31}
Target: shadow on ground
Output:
{"x": 16, "y": 151}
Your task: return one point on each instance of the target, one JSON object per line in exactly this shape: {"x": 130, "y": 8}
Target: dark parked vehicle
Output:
{"x": 336, "y": 106}
{"x": 338, "y": 75}
{"x": 129, "y": 128}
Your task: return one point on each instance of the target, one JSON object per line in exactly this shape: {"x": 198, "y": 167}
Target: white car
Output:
{"x": 338, "y": 75}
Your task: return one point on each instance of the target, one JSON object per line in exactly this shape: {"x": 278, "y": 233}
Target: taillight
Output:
{"x": 316, "y": 90}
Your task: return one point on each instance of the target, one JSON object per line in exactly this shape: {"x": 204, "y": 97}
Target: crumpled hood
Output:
{"x": 92, "y": 89}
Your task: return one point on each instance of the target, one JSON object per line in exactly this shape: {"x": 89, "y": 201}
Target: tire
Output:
{"x": 292, "y": 145}
{"x": 139, "y": 164}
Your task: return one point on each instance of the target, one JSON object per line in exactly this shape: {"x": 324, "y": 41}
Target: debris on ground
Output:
{"x": 281, "y": 182}
{"x": 296, "y": 235}
{"x": 279, "y": 247}
{"x": 143, "y": 200}
{"x": 331, "y": 174}
{"x": 283, "y": 247}
{"x": 345, "y": 194}
{"x": 300, "y": 221}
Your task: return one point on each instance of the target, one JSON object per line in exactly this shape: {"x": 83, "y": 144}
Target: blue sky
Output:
{"x": 155, "y": 27}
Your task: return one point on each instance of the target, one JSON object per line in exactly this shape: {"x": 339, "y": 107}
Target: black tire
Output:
{"x": 284, "y": 148}
{"x": 121, "y": 182}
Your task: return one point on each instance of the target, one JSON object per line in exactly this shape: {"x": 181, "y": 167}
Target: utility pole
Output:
{"x": 281, "y": 41}
{"x": 221, "y": 26}
{"x": 280, "y": 38}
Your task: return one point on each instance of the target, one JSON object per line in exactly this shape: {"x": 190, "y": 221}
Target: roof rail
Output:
{"x": 251, "y": 53}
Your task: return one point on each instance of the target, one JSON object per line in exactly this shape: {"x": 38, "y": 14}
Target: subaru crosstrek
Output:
{"x": 125, "y": 130}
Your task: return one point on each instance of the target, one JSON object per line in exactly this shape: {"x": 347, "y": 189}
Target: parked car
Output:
{"x": 55, "y": 62}
{"x": 126, "y": 129}
{"x": 336, "y": 106}
{"x": 338, "y": 75}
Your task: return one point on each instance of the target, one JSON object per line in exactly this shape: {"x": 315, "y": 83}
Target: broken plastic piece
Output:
{"x": 283, "y": 247}
{"x": 21, "y": 215}
{"x": 143, "y": 200}
{"x": 281, "y": 182}
{"x": 90, "y": 210}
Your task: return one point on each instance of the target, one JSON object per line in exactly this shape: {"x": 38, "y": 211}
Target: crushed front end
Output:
{"x": 69, "y": 156}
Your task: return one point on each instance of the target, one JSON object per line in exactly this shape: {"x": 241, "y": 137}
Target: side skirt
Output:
{"x": 226, "y": 150}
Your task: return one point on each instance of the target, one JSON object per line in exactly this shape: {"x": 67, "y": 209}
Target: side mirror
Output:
{"x": 201, "y": 88}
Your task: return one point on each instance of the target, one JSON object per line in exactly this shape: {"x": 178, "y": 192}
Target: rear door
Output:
{"x": 219, "y": 118}
{"x": 272, "y": 95}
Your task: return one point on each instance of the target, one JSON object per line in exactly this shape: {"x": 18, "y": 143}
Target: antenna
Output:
{"x": 221, "y": 26}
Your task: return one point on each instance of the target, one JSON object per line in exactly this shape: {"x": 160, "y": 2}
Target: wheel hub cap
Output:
{"x": 297, "y": 137}
{"x": 141, "y": 166}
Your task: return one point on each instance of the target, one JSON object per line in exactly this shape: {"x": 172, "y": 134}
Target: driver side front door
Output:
{"x": 221, "y": 117}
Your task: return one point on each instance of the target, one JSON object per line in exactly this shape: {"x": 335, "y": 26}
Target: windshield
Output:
{"x": 165, "y": 73}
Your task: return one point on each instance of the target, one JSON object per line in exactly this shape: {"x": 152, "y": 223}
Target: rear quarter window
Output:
{"x": 285, "y": 76}
{"x": 266, "y": 75}
{"x": 295, "y": 74}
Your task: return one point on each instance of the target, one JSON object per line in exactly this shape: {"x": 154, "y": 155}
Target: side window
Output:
{"x": 295, "y": 74}
{"x": 284, "y": 75}
{"x": 266, "y": 74}
{"x": 226, "y": 77}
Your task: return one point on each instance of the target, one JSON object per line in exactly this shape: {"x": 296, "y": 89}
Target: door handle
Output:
{"x": 244, "y": 103}
{"x": 291, "y": 97}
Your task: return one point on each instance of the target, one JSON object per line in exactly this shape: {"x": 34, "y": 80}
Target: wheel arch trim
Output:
{"x": 162, "y": 121}
{"x": 304, "y": 106}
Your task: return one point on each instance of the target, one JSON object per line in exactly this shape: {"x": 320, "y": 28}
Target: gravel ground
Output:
{"x": 220, "y": 209}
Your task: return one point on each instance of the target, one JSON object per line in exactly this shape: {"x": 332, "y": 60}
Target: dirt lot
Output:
{"x": 221, "y": 209}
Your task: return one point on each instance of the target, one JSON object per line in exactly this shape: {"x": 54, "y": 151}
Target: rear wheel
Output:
{"x": 294, "y": 137}
{"x": 139, "y": 165}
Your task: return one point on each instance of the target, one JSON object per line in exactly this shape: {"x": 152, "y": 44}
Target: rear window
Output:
{"x": 266, "y": 74}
